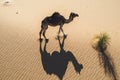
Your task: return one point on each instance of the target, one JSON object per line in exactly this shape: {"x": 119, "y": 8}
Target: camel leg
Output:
{"x": 63, "y": 32}
{"x": 40, "y": 33}
{"x": 61, "y": 25}
{"x": 59, "y": 33}
{"x": 44, "y": 31}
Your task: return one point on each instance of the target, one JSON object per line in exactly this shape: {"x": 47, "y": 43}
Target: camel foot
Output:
{"x": 58, "y": 36}
{"x": 46, "y": 40}
{"x": 65, "y": 36}
{"x": 40, "y": 39}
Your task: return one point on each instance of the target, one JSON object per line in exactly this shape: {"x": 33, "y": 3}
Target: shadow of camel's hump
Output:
{"x": 55, "y": 63}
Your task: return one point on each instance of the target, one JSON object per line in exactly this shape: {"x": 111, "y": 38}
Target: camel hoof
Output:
{"x": 58, "y": 36}
{"x": 65, "y": 36}
{"x": 46, "y": 40}
{"x": 41, "y": 39}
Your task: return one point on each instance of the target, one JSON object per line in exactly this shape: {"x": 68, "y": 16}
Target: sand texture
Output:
{"x": 20, "y": 57}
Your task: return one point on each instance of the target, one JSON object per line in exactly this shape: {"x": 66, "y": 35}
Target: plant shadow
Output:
{"x": 107, "y": 62}
{"x": 57, "y": 62}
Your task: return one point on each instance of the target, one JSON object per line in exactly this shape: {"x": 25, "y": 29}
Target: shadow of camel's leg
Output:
{"x": 75, "y": 63}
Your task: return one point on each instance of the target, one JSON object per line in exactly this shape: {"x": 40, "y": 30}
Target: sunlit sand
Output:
{"x": 20, "y": 24}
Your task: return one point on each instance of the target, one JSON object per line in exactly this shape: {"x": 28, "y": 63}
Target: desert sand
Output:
{"x": 20, "y": 23}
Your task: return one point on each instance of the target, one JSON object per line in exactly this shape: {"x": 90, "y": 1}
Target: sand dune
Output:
{"x": 20, "y": 57}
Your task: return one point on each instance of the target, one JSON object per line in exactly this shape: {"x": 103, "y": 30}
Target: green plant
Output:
{"x": 101, "y": 41}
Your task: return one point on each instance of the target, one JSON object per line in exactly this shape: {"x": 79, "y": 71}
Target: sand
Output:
{"x": 20, "y": 57}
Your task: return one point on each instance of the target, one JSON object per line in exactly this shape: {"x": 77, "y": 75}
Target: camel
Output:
{"x": 55, "y": 20}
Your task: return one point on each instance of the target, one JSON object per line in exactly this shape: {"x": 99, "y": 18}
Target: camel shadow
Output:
{"x": 57, "y": 62}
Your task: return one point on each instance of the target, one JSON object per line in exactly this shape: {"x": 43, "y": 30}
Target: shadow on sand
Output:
{"x": 107, "y": 62}
{"x": 57, "y": 62}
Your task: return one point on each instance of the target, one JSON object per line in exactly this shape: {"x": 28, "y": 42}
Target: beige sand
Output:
{"x": 19, "y": 46}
